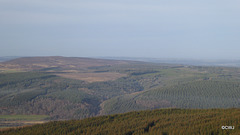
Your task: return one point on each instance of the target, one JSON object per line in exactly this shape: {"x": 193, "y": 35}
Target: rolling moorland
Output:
{"x": 64, "y": 88}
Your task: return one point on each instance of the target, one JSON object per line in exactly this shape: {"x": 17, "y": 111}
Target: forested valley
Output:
{"x": 65, "y": 88}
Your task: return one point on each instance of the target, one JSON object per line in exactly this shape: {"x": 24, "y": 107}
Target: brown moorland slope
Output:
{"x": 68, "y": 67}
{"x": 64, "y": 63}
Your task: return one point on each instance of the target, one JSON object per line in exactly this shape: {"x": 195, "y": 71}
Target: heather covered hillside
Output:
{"x": 156, "y": 122}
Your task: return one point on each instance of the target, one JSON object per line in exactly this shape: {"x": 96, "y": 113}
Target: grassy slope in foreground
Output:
{"x": 163, "y": 121}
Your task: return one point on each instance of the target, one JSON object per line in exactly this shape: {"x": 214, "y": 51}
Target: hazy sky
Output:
{"x": 130, "y": 28}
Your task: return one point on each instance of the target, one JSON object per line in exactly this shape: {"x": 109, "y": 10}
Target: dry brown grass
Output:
{"x": 63, "y": 63}
{"x": 93, "y": 77}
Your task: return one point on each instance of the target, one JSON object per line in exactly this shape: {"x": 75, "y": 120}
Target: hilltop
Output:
{"x": 56, "y": 62}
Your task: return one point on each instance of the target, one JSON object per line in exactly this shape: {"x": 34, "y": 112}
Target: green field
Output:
{"x": 7, "y": 121}
{"x": 23, "y": 117}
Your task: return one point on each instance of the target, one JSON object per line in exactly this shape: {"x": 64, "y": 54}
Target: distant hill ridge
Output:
{"x": 37, "y": 63}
